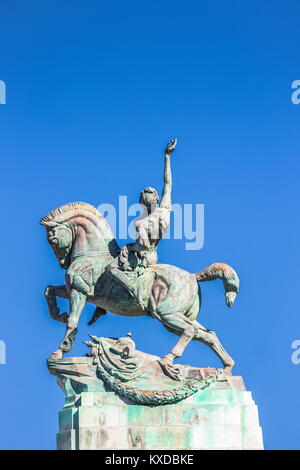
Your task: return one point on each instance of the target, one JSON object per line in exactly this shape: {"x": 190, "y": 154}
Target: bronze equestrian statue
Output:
{"x": 129, "y": 281}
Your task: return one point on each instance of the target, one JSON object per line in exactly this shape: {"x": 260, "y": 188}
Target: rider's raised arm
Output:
{"x": 166, "y": 200}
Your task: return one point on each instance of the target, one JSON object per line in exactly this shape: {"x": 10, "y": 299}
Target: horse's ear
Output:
{"x": 47, "y": 223}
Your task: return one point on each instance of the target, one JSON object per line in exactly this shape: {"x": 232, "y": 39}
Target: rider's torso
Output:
{"x": 152, "y": 227}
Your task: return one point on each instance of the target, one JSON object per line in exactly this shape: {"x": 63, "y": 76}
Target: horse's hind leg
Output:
{"x": 186, "y": 328}
{"x": 210, "y": 338}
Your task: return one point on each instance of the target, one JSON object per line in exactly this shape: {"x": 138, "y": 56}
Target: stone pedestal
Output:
{"x": 222, "y": 416}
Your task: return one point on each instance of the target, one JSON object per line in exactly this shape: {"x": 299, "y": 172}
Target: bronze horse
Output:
{"x": 84, "y": 245}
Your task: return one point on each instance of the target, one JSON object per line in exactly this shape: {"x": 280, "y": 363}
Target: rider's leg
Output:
{"x": 122, "y": 279}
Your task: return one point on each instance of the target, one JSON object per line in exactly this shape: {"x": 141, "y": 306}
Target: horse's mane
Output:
{"x": 67, "y": 207}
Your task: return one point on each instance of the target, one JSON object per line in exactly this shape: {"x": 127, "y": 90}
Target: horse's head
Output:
{"x": 78, "y": 227}
{"x": 60, "y": 238}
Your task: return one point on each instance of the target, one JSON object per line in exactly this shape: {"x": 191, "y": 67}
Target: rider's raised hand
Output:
{"x": 171, "y": 146}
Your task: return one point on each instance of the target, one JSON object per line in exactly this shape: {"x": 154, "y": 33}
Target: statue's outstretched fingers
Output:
{"x": 171, "y": 146}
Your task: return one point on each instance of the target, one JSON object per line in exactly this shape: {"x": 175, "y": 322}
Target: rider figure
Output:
{"x": 150, "y": 228}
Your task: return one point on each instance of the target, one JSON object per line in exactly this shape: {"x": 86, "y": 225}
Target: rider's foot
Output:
{"x": 99, "y": 312}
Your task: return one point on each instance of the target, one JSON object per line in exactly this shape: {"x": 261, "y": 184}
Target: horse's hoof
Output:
{"x": 58, "y": 354}
{"x": 228, "y": 370}
{"x": 67, "y": 344}
{"x": 169, "y": 369}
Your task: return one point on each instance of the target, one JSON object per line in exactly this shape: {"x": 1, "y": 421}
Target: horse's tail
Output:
{"x": 227, "y": 275}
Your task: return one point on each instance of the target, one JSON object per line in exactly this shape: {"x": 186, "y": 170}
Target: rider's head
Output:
{"x": 149, "y": 197}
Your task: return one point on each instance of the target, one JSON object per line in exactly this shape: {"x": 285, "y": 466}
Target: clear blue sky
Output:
{"x": 94, "y": 91}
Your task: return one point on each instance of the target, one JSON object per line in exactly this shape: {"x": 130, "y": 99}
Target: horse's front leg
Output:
{"x": 77, "y": 301}
{"x": 51, "y": 292}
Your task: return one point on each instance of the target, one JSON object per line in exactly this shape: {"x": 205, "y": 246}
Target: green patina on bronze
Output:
{"x": 129, "y": 281}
